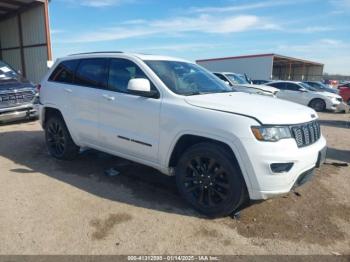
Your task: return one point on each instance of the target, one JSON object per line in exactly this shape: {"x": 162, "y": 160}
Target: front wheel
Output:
{"x": 318, "y": 105}
{"x": 210, "y": 180}
{"x": 58, "y": 140}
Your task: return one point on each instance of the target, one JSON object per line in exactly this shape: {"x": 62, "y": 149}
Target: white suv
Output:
{"x": 223, "y": 146}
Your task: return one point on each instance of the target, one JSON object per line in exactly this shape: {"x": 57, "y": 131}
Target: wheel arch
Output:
{"x": 51, "y": 110}
{"x": 184, "y": 141}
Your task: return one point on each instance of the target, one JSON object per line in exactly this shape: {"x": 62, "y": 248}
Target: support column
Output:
{"x": 20, "y": 30}
{"x": 47, "y": 30}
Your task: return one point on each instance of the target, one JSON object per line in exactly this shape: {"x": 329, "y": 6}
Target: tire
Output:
{"x": 58, "y": 140}
{"x": 210, "y": 181}
{"x": 318, "y": 105}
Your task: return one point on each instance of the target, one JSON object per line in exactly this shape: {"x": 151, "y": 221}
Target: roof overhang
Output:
{"x": 278, "y": 59}
{"x": 286, "y": 60}
{"x": 9, "y": 8}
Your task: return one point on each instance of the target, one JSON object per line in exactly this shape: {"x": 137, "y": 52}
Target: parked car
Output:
{"x": 304, "y": 94}
{"x": 224, "y": 147}
{"x": 239, "y": 83}
{"x": 18, "y": 97}
{"x": 344, "y": 92}
{"x": 319, "y": 86}
{"x": 260, "y": 82}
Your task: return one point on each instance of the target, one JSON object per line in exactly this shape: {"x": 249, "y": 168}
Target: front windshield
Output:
{"x": 237, "y": 79}
{"x": 308, "y": 87}
{"x": 6, "y": 71}
{"x": 187, "y": 79}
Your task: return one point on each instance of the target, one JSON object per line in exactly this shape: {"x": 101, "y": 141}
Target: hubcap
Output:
{"x": 55, "y": 138}
{"x": 206, "y": 181}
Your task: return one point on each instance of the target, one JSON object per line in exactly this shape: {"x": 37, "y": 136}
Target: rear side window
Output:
{"x": 281, "y": 86}
{"x": 292, "y": 87}
{"x": 92, "y": 73}
{"x": 64, "y": 72}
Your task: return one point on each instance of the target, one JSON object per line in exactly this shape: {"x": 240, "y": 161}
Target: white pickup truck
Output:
{"x": 224, "y": 147}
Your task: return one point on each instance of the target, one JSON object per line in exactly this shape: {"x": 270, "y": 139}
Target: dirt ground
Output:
{"x": 53, "y": 207}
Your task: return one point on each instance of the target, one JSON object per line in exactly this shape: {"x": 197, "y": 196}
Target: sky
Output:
{"x": 317, "y": 30}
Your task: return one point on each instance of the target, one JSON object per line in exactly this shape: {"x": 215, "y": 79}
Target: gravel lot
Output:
{"x": 53, "y": 207}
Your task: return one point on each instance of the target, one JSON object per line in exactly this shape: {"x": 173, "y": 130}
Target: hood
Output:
{"x": 266, "y": 109}
{"x": 8, "y": 83}
{"x": 262, "y": 87}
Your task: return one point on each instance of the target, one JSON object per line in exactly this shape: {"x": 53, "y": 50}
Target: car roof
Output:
{"x": 145, "y": 57}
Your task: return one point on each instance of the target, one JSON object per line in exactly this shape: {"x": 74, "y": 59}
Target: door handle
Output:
{"x": 110, "y": 98}
{"x": 68, "y": 90}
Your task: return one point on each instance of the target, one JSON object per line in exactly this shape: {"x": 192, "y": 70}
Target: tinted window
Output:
{"x": 292, "y": 87}
{"x": 92, "y": 73}
{"x": 64, "y": 72}
{"x": 221, "y": 77}
{"x": 281, "y": 86}
{"x": 120, "y": 73}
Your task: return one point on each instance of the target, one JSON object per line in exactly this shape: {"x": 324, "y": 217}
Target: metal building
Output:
{"x": 266, "y": 67}
{"x": 25, "y": 36}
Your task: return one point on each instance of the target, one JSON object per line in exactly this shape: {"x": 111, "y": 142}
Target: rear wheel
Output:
{"x": 58, "y": 140}
{"x": 208, "y": 178}
{"x": 318, "y": 105}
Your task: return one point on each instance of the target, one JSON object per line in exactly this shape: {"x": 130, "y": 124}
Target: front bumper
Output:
{"x": 27, "y": 111}
{"x": 337, "y": 106}
{"x": 259, "y": 156}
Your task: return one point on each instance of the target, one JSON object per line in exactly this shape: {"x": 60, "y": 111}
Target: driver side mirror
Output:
{"x": 141, "y": 87}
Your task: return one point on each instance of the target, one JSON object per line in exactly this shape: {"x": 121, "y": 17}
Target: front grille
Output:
{"x": 16, "y": 98}
{"x": 306, "y": 134}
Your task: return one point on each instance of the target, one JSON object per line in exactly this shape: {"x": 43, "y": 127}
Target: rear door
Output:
{"x": 60, "y": 87}
{"x": 282, "y": 94}
{"x": 84, "y": 96}
{"x": 129, "y": 123}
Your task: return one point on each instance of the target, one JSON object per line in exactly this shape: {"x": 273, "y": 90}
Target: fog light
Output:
{"x": 281, "y": 167}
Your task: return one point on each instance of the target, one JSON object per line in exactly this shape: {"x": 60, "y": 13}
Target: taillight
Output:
{"x": 38, "y": 87}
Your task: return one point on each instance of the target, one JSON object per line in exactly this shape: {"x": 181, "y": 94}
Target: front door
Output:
{"x": 129, "y": 124}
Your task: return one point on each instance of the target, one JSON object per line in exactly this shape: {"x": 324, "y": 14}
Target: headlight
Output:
{"x": 271, "y": 134}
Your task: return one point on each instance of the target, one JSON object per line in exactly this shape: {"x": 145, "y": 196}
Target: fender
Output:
{"x": 232, "y": 143}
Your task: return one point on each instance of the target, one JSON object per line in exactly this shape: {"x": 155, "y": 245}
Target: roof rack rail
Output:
{"x": 99, "y": 52}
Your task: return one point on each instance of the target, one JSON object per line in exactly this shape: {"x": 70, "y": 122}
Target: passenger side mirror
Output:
{"x": 304, "y": 90}
{"x": 141, "y": 87}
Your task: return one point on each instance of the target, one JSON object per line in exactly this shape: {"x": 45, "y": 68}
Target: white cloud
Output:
{"x": 244, "y": 7}
{"x": 173, "y": 26}
{"x": 341, "y": 3}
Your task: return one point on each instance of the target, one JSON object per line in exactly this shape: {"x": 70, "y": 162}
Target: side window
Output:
{"x": 281, "y": 86}
{"x": 121, "y": 71}
{"x": 64, "y": 72}
{"x": 221, "y": 77}
{"x": 92, "y": 73}
{"x": 292, "y": 87}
